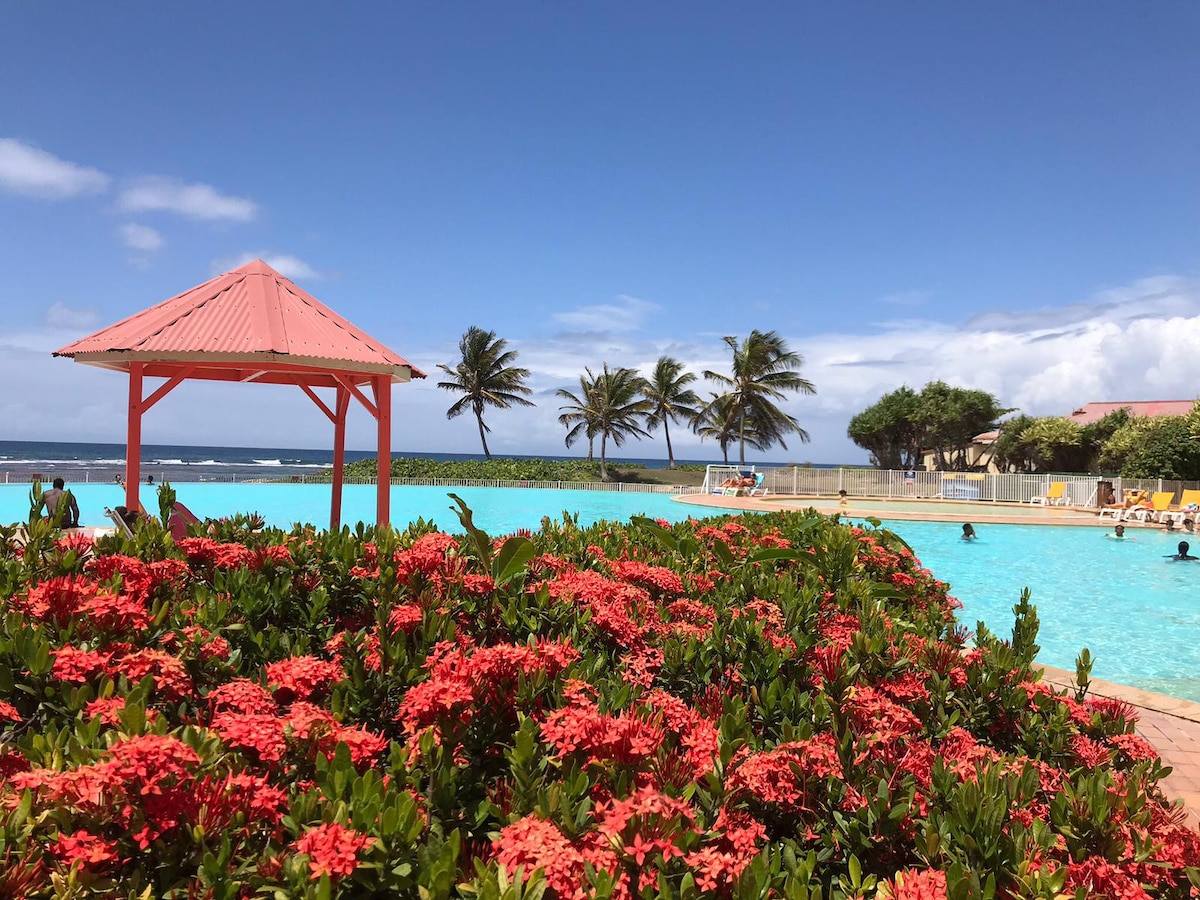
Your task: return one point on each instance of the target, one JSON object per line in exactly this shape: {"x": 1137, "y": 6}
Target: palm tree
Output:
{"x": 578, "y": 418}
{"x": 718, "y": 420}
{"x": 667, "y": 389}
{"x": 485, "y": 376}
{"x": 764, "y": 370}
{"x": 613, "y": 408}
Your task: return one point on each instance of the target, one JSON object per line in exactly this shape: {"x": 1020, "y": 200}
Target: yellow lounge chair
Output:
{"x": 1055, "y": 496}
{"x": 1189, "y": 497}
{"x": 1159, "y": 504}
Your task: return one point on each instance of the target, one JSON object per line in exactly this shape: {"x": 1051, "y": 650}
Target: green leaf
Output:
{"x": 512, "y": 559}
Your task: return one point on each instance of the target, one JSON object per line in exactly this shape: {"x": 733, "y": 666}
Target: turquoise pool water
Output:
{"x": 1137, "y": 612}
{"x": 497, "y": 510}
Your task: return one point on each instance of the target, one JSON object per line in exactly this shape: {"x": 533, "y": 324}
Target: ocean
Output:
{"x": 19, "y": 460}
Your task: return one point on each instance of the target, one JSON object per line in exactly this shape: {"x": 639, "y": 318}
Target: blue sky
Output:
{"x": 1003, "y": 197}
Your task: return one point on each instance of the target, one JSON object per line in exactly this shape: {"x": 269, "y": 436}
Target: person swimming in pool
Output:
{"x": 1118, "y": 534}
{"x": 969, "y": 532}
{"x": 1183, "y": 555}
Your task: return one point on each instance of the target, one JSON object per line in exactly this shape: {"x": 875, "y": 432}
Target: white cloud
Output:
{"x": 140, "y": 237}
{"x": 60, "y": 317}
{"x": 284, "y": 263}
{"x": 1138, "y": 342}
{"x": 196, "y": 201}
{"x": 624, "y": 314}
{"x": 36, "y": 173}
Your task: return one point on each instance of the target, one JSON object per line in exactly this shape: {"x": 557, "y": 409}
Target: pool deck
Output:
{"x": 1171, "y": 725}
{"x": 972, "y": 511}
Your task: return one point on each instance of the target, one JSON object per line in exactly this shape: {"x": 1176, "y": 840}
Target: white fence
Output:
{"x": 82, "y": 477}
{"x": 1079, "y": 490}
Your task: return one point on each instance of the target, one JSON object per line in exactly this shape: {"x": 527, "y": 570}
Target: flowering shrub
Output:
{"x": 770, "y": 706}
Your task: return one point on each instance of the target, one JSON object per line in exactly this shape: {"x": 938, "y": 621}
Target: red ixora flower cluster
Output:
{"x": 332, "y": 849}
{"x": 619, "y": 717}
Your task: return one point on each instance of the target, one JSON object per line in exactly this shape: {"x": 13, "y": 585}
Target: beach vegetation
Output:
{"x": 890, "y": 429}
{"x": 578, "y": 415}
{"x": 485, "y": 375}
{"x": 780, "y": 705}
{"x": 718, "y": 420}
{"x": 903, "y": 425}
{"x": 614, "y": 408}
{"x": 1154, "y": 447}
{"x": 763, "y": 373}
{"x": 668, "y": 390}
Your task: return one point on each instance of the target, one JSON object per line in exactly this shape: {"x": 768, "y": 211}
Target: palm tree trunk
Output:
{"x": 483, "y": 435}
{"x": 603, "y": 447}
{"x": 742, "y": 437}
{"x": 591, "y": 448}
{"x": 670, "y": 452}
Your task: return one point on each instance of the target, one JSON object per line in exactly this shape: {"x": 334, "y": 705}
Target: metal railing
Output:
{"x": 83, "y": 477}
{"x": 1078, "y": 490}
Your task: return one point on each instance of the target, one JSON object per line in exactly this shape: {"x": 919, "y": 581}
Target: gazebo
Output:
{"x": 253, "y": 325}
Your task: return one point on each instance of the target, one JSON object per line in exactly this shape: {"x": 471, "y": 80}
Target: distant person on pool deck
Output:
{"x": 1183, "y": 554}
{"x": 843, "y": 500}
{"x": 53, "y": 497}
{"x": 969, "y": 532}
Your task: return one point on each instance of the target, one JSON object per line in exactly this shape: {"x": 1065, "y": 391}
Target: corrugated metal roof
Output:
{"x": 251, "y": 310}
{"x": 1094, "y": 412}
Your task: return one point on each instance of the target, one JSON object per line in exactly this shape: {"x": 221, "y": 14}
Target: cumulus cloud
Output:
{"x": 140, "y": 237}
{"x": 195, "y": 201}
{"x": 1138, "y": 342}
{"x": 35, "y": 173}
{"x": 284, "y": 263}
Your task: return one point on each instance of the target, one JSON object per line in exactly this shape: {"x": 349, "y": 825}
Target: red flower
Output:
{"x": 85, "y": 848}
{"x": 913, "y": 884}
{"x": 533, "y": 843}
{"x": 302, "y": 677}
{"x": 332, "y": 849}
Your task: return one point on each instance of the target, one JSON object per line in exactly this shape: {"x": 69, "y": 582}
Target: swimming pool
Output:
{"x": 1138, "y": 613}
{"x": 497, "y": 510}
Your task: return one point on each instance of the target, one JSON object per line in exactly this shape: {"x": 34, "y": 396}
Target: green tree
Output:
{"x": 951, "y": 417}
{"x": 764, "y": 372}
{"x": 615, "y": 409}
{"x": 718, "y": 420}
{"x": 671, "y": 398}
{"x": 579, "y": 415}
{"x": 1155, "y": 447}
{"x": 485, "y": 376}
{"x": 891, "y": 430}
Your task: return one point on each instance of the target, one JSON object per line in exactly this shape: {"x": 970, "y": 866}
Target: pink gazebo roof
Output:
{"x": 248, "y": 324}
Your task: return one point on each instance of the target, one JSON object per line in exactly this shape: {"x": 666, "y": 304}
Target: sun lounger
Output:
{"x": 1055, "y": 496}
{"x": 1159, "y": 504}
{"x": 181, "y": 518}
{"x": 760, "y": 488}
{"x": 1190, "y": 497}
{"x": 122, "y": 526}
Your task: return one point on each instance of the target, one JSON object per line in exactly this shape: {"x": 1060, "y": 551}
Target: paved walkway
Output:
{"x": 1172, "y": 726}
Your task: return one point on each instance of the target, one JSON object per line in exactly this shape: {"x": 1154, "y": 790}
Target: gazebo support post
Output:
{"x": 383, "y": 474}
{"x": 341, "y": 407}
{"x": 133, "y": 438}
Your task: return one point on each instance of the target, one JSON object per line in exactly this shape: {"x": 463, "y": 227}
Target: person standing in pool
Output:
{"x": 969, "y": 532}
{"x": 1118, "y": 534}
{"x": 1183, "y": 555}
